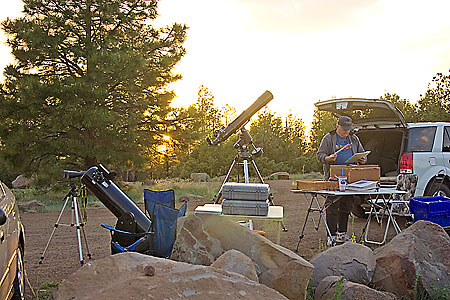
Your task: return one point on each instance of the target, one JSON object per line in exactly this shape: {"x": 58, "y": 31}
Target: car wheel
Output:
{"x": 438, "y": 189}
{"x": 19, "y": 281}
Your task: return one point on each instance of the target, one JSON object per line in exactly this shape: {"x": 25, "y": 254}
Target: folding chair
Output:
{"x": 164, "y": 226}
{"x": 162, "y": 197}
{"x": 142, "y": 245}
{"x": 160, "y": 206}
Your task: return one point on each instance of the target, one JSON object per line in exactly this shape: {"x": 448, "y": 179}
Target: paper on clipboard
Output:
{"x": 357, "y": 157}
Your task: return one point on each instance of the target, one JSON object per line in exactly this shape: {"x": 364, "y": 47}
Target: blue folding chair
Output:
{"x": 160, "y": 206}
{"x": 141, "y": 245}
{"x": 162, "y": 197}
{"x": 164, "y": 226}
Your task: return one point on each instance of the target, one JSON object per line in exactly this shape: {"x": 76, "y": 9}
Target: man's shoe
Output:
{"x": 330, "y": 242}
{"x": 342, "y": 237}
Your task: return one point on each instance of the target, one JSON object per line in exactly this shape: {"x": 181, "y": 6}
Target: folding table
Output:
{"x": 275, "y": 216}
{"x": 380, "y": 198}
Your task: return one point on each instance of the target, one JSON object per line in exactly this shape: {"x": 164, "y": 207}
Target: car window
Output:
{"x": 446, "y": 145}
{"x": 421, "y": 139}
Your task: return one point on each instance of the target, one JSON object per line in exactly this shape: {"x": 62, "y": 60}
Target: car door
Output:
{"x": 446, "y": 149}
{"x": 365, "y": 113}
{"x": 5, "y": 283}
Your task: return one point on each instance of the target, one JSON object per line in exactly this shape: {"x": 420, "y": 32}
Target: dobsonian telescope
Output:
{"x": 243, "y": 156}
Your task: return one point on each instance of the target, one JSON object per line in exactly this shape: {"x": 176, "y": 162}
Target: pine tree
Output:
{"x": 89, "y": 83}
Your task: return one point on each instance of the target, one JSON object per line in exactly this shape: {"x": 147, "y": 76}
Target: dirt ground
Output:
{"x": 62, "y": 259}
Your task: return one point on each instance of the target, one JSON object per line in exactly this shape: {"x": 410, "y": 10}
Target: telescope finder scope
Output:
{"x": 72, "y": 174}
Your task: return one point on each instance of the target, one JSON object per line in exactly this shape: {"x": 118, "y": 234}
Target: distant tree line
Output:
{"x": 90, "y": 84}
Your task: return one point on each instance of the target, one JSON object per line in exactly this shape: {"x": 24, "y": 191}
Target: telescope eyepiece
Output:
{"x": 72, "y": 174}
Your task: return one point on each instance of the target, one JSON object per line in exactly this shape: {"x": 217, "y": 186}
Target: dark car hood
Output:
{"x": 365, "y": 112}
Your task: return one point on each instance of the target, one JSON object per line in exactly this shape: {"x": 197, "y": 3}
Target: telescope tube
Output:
{"x": 113, "y": 198}
{"x": 242, "y": 119}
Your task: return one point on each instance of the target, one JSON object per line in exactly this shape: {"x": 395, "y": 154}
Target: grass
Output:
{"x": 54, "y": 200}
{"x": 46, "y": 290}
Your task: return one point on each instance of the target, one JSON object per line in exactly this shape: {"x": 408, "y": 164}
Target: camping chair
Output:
{"x": 164, "y": 226}
{"x": 162, "y": 197}
{"x": 141, "y": 245}
{"x": 160, "y": 206}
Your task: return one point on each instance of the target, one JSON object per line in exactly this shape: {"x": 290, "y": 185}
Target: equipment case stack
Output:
{"x": 245, "y": 199}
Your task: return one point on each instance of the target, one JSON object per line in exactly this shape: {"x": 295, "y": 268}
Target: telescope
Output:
{"x": 237, "y": 124}
{"x": 98, "y": 180}
{"x": 243, "y": 156}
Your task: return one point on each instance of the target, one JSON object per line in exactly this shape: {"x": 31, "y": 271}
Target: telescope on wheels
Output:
{"x": 244, "y": 156}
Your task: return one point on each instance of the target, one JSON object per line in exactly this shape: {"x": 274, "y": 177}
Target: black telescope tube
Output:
{"x": 113, "y": 198}
{"x": 242, "y": 119}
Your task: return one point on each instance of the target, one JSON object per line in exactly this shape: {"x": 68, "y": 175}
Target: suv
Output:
{"x": 12, "y": 284}
{"x": 418, "y": 152}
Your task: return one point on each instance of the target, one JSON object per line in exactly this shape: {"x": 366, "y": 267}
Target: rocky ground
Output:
{"x": 62, "y": 258}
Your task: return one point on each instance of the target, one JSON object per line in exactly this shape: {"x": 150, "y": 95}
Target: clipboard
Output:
{"x": 357, "y": 156}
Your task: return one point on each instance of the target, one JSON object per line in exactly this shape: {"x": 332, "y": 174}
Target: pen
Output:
{"x": 342, "y": 149}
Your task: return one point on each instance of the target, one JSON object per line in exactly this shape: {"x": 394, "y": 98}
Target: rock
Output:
{"x": 237, "y": 262}
{"x": 201, "y": 239}
{"x": 349, "y": 290}
{"x": 279, "y": 176}
{"x": 355, "y": 262}
{"x": 32, "y": 206}
{"x": 22, "y": 182}
{"x": 199, "y": 177}
{"x": 124, "y": 276}
{"x": 149, "y": 271}
{"x": 421, "y": 250}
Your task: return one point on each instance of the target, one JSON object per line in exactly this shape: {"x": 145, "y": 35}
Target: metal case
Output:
{"x": 245, "y": 191}
{"x": 242, "y": 207}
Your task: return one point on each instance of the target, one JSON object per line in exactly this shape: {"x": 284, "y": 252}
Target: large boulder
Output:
{"x": 32, "y": 206}
{"x": 328, "y": 287}
{"x": 136, "y": 276}
{"x": 418, "y": 255}
{"x": 22, "y": 182}
{"x": 355, "y": 262}
{"x": 199, "y": 177}
{"x": 237, "y": 262}
{"x": 279, "y": 176}
{"x": 202, "y": 238}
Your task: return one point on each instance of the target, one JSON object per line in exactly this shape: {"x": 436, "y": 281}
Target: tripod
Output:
{"x": 243, "y": 157}
{"x": 76, "y": 216}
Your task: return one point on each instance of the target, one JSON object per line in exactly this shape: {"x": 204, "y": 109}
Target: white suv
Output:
{"x": 418, "y": 152}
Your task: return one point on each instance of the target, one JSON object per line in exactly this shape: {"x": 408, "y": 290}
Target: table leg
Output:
{"x": 304, "y": 224}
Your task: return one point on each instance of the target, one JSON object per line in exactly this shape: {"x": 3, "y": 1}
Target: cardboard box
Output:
{"x": 317, "y": 185}
{"x": 356, "y": 173}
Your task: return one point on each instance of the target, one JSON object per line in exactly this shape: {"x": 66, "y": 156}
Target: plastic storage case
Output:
{"x": 245, "y": 191}
{"x": 242, "y": 207}
{"x": 434, "y": 209}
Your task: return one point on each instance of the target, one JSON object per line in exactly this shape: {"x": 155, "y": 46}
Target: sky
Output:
{"x": 302, "y": 51}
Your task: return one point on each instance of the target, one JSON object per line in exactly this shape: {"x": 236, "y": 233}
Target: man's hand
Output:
{"x": 362, "y": 160}
{"x": 331, "y": 157}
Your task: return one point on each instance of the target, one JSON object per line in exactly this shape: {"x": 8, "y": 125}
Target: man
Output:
{"x": 339, "y": 207}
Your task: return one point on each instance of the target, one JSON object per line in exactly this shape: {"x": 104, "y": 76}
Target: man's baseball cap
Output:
{"x": 345, "y": 122}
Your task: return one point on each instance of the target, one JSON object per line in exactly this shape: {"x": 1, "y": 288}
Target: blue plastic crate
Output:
{"x": 434, "y": 209}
